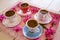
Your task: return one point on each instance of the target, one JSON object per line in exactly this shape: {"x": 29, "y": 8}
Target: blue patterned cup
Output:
{"x": 32, "y": 25}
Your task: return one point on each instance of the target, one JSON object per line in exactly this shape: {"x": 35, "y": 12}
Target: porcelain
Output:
{"x": 14, "y": 21}
{"x": 24, "y": 7}
{"x": 47, "y": 18}
{"x": 35, "y": 29}
{"x": 28, "y": 34}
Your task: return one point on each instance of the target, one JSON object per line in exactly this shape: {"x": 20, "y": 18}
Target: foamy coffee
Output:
{"x": 9, "y": 13}
{"x": 43, "y": 11}
{"x": 32, "y": 23}
{"x": 24, "y": 5}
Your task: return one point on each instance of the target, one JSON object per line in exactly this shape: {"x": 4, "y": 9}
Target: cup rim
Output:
{"x": 24, "y": 7}
{"x": 9, "y": 16}
{"x": 43, "y": 9}
{"x": 31, "y": 27}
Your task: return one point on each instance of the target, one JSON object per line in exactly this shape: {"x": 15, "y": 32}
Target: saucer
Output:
{"x": 23, "y": 14}
{"x": 15, "y": 22}
{"x": 30, "y": 35}
{"x": 48, "y": 19}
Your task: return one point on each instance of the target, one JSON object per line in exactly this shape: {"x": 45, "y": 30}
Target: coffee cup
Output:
{"x": 42, "y": 14}
{"x": 32, "y": 25}
{"x": 24, "y": 7}
{"x": 10, "y": 15}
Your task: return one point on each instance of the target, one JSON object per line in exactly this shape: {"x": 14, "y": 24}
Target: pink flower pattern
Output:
{"x": 34, "y": 9}
{"x": 2, "y": 17}
{"x": 26, "y": 18}
{"x": 17, "y": 28}
{"x": 49, "y": 33}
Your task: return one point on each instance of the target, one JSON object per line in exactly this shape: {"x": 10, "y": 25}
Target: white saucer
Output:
{"x": 48, "y": 19}
{"x": 23, "y": 14}
{"x": 15, "y": 22}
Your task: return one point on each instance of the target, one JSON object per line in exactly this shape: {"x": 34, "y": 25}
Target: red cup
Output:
{"x": 24, "y": 7}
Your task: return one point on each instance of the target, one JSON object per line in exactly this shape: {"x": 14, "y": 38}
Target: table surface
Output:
{"x": 52, "y": 5}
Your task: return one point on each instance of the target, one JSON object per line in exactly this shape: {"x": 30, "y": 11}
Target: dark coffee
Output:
{"x": 32, "y": 23}
{"x": 43, "y": 11}
{"x": 24, "y": 5}
{"x": 9, "y": 13}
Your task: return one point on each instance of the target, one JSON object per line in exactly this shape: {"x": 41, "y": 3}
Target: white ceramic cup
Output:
{"x": 42, "y": 16}
{"x": 11, "y": 18}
